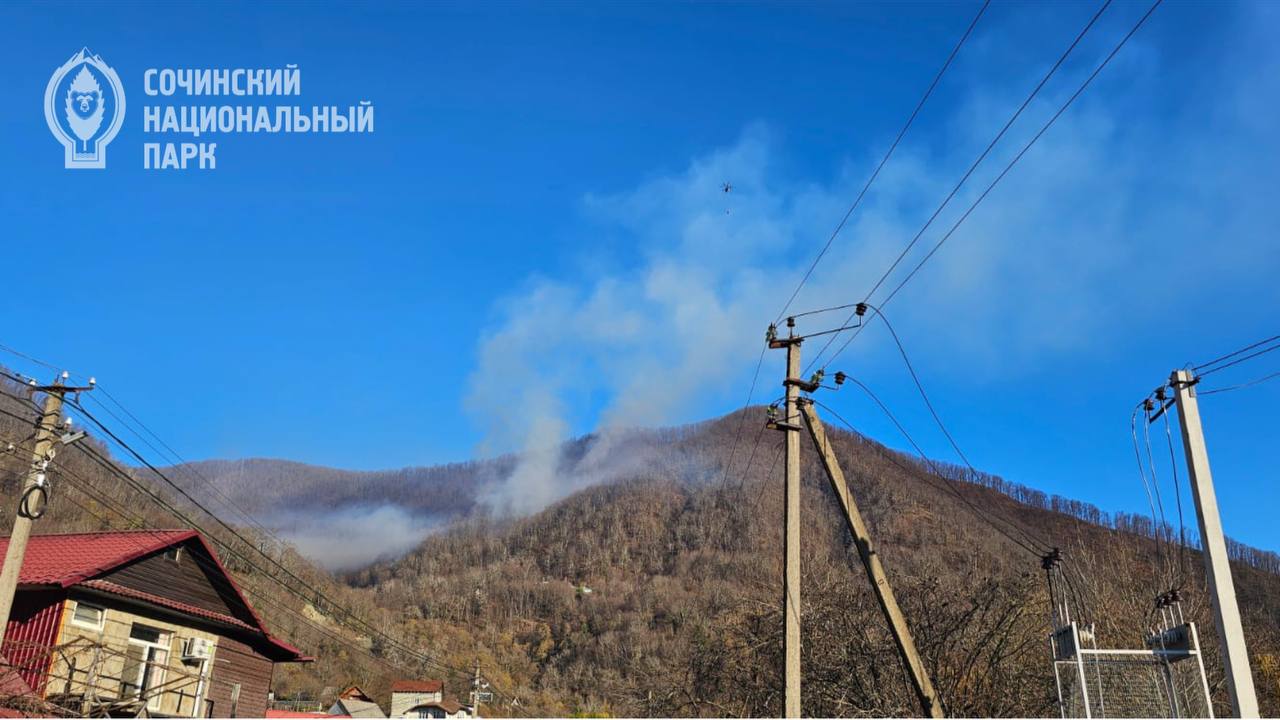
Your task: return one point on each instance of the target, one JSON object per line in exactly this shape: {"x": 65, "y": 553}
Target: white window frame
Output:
{"x": 102, "y": 616}
{"x": 165, "y": 643}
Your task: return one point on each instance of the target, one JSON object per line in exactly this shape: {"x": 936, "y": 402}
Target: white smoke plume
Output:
{"x": 1036, "y": 273}
{"x": 368, "y": 534}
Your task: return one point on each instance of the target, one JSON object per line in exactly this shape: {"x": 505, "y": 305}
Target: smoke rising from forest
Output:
{"x": 368, "y": 534}
{"x": 668, "y": 328}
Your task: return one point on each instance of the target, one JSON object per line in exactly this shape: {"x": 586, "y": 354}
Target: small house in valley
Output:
{"x": 424, "y": 699}
{"x": 356, "y": 703}
{"x": 145, "y": 622}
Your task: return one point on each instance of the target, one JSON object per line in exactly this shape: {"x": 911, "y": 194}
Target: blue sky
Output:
{"x": 533, "y": 242}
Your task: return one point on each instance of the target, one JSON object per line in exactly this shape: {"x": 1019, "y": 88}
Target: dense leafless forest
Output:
{"x": 683, "y": 617}
{"x": 656, "y": 593}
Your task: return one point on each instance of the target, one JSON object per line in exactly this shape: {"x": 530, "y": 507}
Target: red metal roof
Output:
{"x": 417, "y": 686}
{"x": 77, "y": 558}
{"x": 65, "y": 560}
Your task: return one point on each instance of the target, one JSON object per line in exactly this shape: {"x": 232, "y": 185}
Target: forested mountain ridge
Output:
{"x": 269, "y": 486}
{"x": 655, "y": 592}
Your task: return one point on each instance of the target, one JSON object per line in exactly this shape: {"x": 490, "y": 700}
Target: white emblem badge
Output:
{"x": 84, "y": 106}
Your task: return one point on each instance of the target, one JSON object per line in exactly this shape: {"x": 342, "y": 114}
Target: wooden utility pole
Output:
{"x": 1244, "y": 700}
{"x": 791, "y": 556}
{"x": 46, "y": 436}
{"x": 916, "y": 671}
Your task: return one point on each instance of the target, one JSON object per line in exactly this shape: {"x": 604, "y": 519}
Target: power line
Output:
{"x": 924, "y": 395}
{"x": 314, "y": 596}
{"x": 751, "y": 458}
{"x": 1241, "y": 386}
{"x": 127, "y": 477}
{"x": 179, "y": 462}
{"x": 1177, "y": 493}
{"x": 1232, "y": 354}
{"x": 1142, "y": 471}
{"x": 1008, "y": 167}
{"x": 315, "y": 592}
{"x": 1239, "y": 360}
{"x": 933, "y": 469}
{"x": 85, "y": 487}
{"x": 974, "y": 166}
{"x": 894, "y": 146}
{"x": 849, "y": 213}
{"x": 30, "y": 359}
{"x": 742, "y": 420}
{"x": 949, "y": 484}
{"x": 1160, "y": 526}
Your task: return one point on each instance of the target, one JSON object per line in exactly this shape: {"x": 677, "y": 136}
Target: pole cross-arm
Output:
{"x": 916, "y": 671}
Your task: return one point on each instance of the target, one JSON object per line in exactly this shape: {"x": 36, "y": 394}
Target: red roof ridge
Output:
{"x": 164, "y": 532}
{"x": 116, "y": 532}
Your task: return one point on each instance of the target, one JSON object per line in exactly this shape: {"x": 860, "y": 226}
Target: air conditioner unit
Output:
{"x": 194, "y": 649}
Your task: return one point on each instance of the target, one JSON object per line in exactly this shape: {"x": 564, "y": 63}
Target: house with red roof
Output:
{"x": 424, "y": 699}
{"x": 139, "y": 622}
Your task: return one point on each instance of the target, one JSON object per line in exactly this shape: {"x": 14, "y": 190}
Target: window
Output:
{"x": 174, "y": 554}
{"x": 145, "y": 665}
{"x": 88, "y": 616}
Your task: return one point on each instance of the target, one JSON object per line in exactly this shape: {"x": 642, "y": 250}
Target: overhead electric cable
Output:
{"x": 852, "y": 207}
{"x": 1142, "y": 472}
{"x": 931, "y": 468}
{"x": 742, "y": 419}
{"x": 111, "y": 467}
{"x": 1003, "y": 173}
{"x": 1239, "y": 360}
{"x": 1177, "y": 493}
{"x": 1232, "y": 354}
{"x": 894, "y": 146}
{"x": 1241, "y": 386}
{"x": 1027, "y": 542}
{"x": 365, "y": 626}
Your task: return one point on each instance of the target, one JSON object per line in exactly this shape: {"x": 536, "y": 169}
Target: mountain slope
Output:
{"x": 682, "y": 614}
{"x": 653, "y": 588}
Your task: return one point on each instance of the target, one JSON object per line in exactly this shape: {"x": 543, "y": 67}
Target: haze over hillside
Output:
{"x": 657, "y": 593}
{"x": 382, "y": 513}
{"x": 386, "y": 513}
{"x": 651, "y": 586}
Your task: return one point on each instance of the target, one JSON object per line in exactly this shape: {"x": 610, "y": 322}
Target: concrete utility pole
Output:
{"x": 916, "y": 671}
{"x": 1244, "y": 701}
{"x": 46, "y": 436}
{"x": 791, "y": 557}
